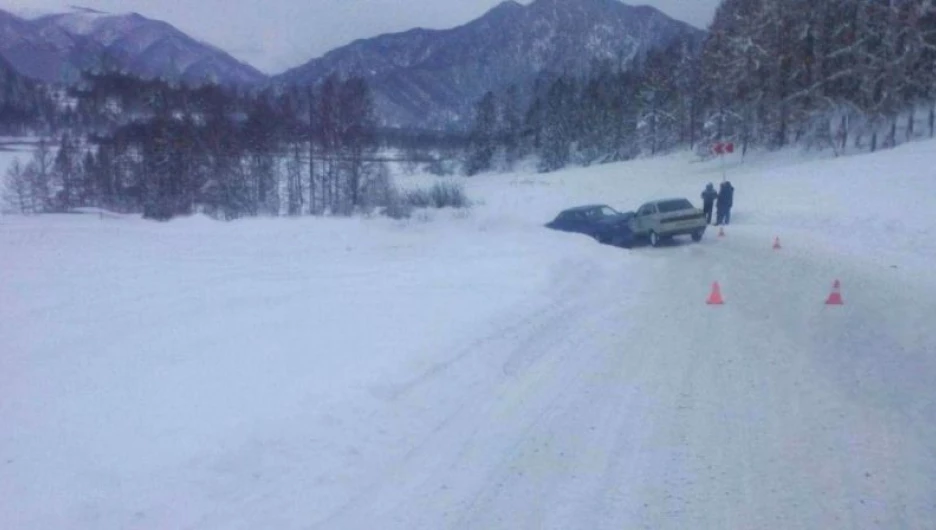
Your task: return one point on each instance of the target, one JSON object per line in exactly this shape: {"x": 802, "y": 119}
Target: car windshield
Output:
{"x": 674, "y": 205}
{"x": 605, "y": 211}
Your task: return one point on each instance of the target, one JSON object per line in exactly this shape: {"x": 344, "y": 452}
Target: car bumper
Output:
{"x": 681, "y": 231}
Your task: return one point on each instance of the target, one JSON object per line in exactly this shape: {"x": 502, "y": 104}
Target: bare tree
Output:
{"x": 328, "y": 137}
{"x": 356, "y": 123}
{"x": 18, "y": 187}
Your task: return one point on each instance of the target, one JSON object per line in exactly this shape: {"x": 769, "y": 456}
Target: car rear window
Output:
{"x": 674, "y": 205}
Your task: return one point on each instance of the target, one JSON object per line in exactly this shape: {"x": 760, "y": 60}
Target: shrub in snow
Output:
{"x": 440, "y": 195}
{"x": 448, "y": 194}
{"x": 400, "y": 204}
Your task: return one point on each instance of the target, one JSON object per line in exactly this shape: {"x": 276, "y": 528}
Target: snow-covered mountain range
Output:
{"x": 55, "y": 48}
{"x": 431, "y": 77}
{"x": 420, "y": 78}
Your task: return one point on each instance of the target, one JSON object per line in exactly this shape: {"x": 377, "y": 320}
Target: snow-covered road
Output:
{"x": 771, "y": 411}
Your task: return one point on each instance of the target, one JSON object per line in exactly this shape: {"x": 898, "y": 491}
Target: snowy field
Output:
{"x": 468, "y": 370}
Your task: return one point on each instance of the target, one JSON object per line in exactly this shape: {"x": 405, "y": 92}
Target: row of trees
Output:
{"x": 171, "y": 150}
{"x": 615, "y": 113}
{"x": 792, "y": 70}
{"x": 769, "y": 73}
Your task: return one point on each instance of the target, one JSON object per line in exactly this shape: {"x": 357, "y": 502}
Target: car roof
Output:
{"x": 658, "y": 201}
{"x": 585, "y": 207}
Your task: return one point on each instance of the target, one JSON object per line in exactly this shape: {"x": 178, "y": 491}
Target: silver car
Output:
{"x": 663, "y": 219}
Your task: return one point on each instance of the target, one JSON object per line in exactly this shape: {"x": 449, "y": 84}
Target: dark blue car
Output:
{"x": 599, "y": 221}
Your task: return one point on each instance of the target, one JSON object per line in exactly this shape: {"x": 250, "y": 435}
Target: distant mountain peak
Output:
{"x": 79, "y": 21}
{"x": 82, "y": 9}
{"x": 431, "y": 79}
{"x": 508, "y": 4}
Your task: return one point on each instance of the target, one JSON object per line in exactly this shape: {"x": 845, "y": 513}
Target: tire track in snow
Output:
{"x": 528, "y": 324}
{"x": 500, "y": 444}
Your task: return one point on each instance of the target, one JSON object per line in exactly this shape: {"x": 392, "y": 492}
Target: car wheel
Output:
{"x": 697, "y": 236}
{"x": 654, "y": 239}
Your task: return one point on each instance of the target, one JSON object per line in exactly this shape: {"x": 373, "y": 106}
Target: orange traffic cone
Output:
{"x": 721, "y": 231}
{"x": 776, "y": 243}
{"x": 835, "y": 298}
{"x": 715, "y": 298}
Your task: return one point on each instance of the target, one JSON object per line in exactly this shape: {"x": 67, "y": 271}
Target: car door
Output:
{"x": 581, "y": 223}
{"x": 643, "y": 220}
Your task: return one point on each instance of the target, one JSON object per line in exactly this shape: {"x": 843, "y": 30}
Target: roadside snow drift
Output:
{"x": 475, "y": 370}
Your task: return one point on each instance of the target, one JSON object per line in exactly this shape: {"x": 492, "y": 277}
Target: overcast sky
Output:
{"x": 274, "y": 35}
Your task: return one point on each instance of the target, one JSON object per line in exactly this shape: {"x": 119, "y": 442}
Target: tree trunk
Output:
{"x": 911, "y": 117}
{"x": 782, "y": 130}
{"x": 328, "y": 181}
{"x": 311, "y": 151}
{"x": 295, "y": 198}
{"x": 932, "y": 120}
{"x": 843, "y": 130}
{"x": 692, "y": 125}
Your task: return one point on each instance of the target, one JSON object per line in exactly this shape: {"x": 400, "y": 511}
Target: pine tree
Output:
{"x": 482, "y": 140}
{"x": 511, "y": 127}
{"x": 559, "y": 126}
{"x": 594, "y": 105}
{"x": 67, "y": 174}
{"x": 157, "y": 166}
{"x": 658, "y": 123}
{"x": 102, "y": 173}
{"x": 924, "y": 73}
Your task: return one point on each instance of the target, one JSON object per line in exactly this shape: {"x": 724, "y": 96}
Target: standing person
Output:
{"x": 724, "y": 203}
{"x": 708, "y": 201}
{"x": 720, "y": 205}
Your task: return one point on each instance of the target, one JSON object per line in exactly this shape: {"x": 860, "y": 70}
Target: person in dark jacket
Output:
{"x": 708, "y": 201}
{"x": 724, "y": 203}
